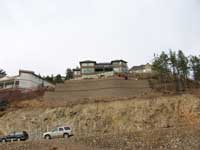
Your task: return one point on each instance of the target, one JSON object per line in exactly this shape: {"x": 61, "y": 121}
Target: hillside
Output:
{"x": 108, "y": 114}
{"x": 84, "y": 91}
{"x": 127, "y": 123}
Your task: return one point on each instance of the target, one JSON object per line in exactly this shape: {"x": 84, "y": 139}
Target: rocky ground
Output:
{"x": 58, "y": 144}
{"x": 140, "y": 123}
{"x": 185, "y": 138}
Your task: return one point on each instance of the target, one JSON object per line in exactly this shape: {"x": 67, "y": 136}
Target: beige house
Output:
{"x": 141, "y": 69}
{"x": 77, "y": 73}
{"x": 92, "y": 69}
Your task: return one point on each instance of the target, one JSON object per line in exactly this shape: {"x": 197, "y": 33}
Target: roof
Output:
{"x": 87, "y": 61}
{"x": 139, "y": 67}
{"x": 120, "y": 60}
{"x": 103, "y": 65}
{"x": 77, "y": 69}
{"x": 30, "y": 72}
{"x": 26, "y": 71}
{"x": 106, "y": 63}
{"x": 7, "y": 78}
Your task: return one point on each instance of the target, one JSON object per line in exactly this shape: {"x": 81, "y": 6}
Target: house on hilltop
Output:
{"x": 141, "y": 69}
{"x": 77, "y": 73}
{"x": 25, "y": 80}
{"x": 92, "y": 69}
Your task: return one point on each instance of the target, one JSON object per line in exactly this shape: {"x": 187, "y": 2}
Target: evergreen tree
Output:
{"x": 2, "y": 73}
{"x": 161, "y": 66}
{"x": 183, "y": 65}
{"x": 195, "y": 67}
{"x": 58, "y": 79}
{"x": 173, "y": 62}
{"x": 49, "y": 79}
{"x": 176, "y": 65}
{"x": 183, "y": 69}
{"x": 69, "y": 74}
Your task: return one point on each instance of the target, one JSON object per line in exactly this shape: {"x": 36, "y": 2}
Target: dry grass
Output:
{"x": 114, "y": 114}
{"x": 90, "y": 91}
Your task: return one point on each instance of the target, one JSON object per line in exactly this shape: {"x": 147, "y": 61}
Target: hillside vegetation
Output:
{"x": 86, "y": 91}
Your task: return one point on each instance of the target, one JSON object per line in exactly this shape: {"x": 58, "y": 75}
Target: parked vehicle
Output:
{"x": 2, "y": 139}
{"x": 15, "y": 136}
{"x": 59, "y": 132}
{"x": 3, "y": 105}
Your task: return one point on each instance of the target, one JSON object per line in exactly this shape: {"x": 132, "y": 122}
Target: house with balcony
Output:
{"x": 92, "y": 69}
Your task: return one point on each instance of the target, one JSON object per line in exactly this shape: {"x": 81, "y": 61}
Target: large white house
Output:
{"x": 26, "y": 80}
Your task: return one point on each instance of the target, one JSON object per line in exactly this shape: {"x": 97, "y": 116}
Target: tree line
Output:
{"x": 177, "y": 67}
{"x": 60, "y": 79}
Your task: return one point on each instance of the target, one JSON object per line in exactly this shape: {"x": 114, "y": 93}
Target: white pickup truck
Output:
{"x": 59, "y": 132}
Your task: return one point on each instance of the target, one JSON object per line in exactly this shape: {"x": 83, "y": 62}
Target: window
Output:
{"x": 61, "y": 129}
{"x": 124, "y": 69}
{"x": 12, "y": 134}
{"x": 116, "y": 63}
{"x": 54, "y": 130}
{"x": 1, "y": 85}
{"x": 87, "y": 70}
{"x": 108, "y": 69}
{"x": 18, "y": 133}
{"x": 88, "y": 64}
{"x": 116, "y": 69}
{"x": 17, "y": 83}
{"x": 77, "y": 73}
{"x": 67, "y": 128}
{"x": 9, "y": 84}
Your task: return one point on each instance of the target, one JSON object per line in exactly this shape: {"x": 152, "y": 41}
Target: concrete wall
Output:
{"x": 28, "y": 80}
{"x": 99, "y": 75}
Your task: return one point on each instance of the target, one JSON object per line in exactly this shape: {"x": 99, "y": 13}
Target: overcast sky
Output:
{"x": 48, "y": 36}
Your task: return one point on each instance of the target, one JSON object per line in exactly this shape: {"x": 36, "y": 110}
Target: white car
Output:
{"x": 59, "y": 132}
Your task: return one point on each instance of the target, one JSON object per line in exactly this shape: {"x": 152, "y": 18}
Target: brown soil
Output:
{"x": 89, "y": 91}
{"x": 44, "y": 145}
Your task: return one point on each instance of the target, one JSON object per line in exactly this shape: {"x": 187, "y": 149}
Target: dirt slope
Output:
{"x": 117, "y": 120}
{"x": 84, "y": 91}
{"x": 107, "y": 114}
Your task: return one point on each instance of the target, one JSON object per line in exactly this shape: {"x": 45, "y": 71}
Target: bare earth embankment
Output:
{"x": 142, "y": 120}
